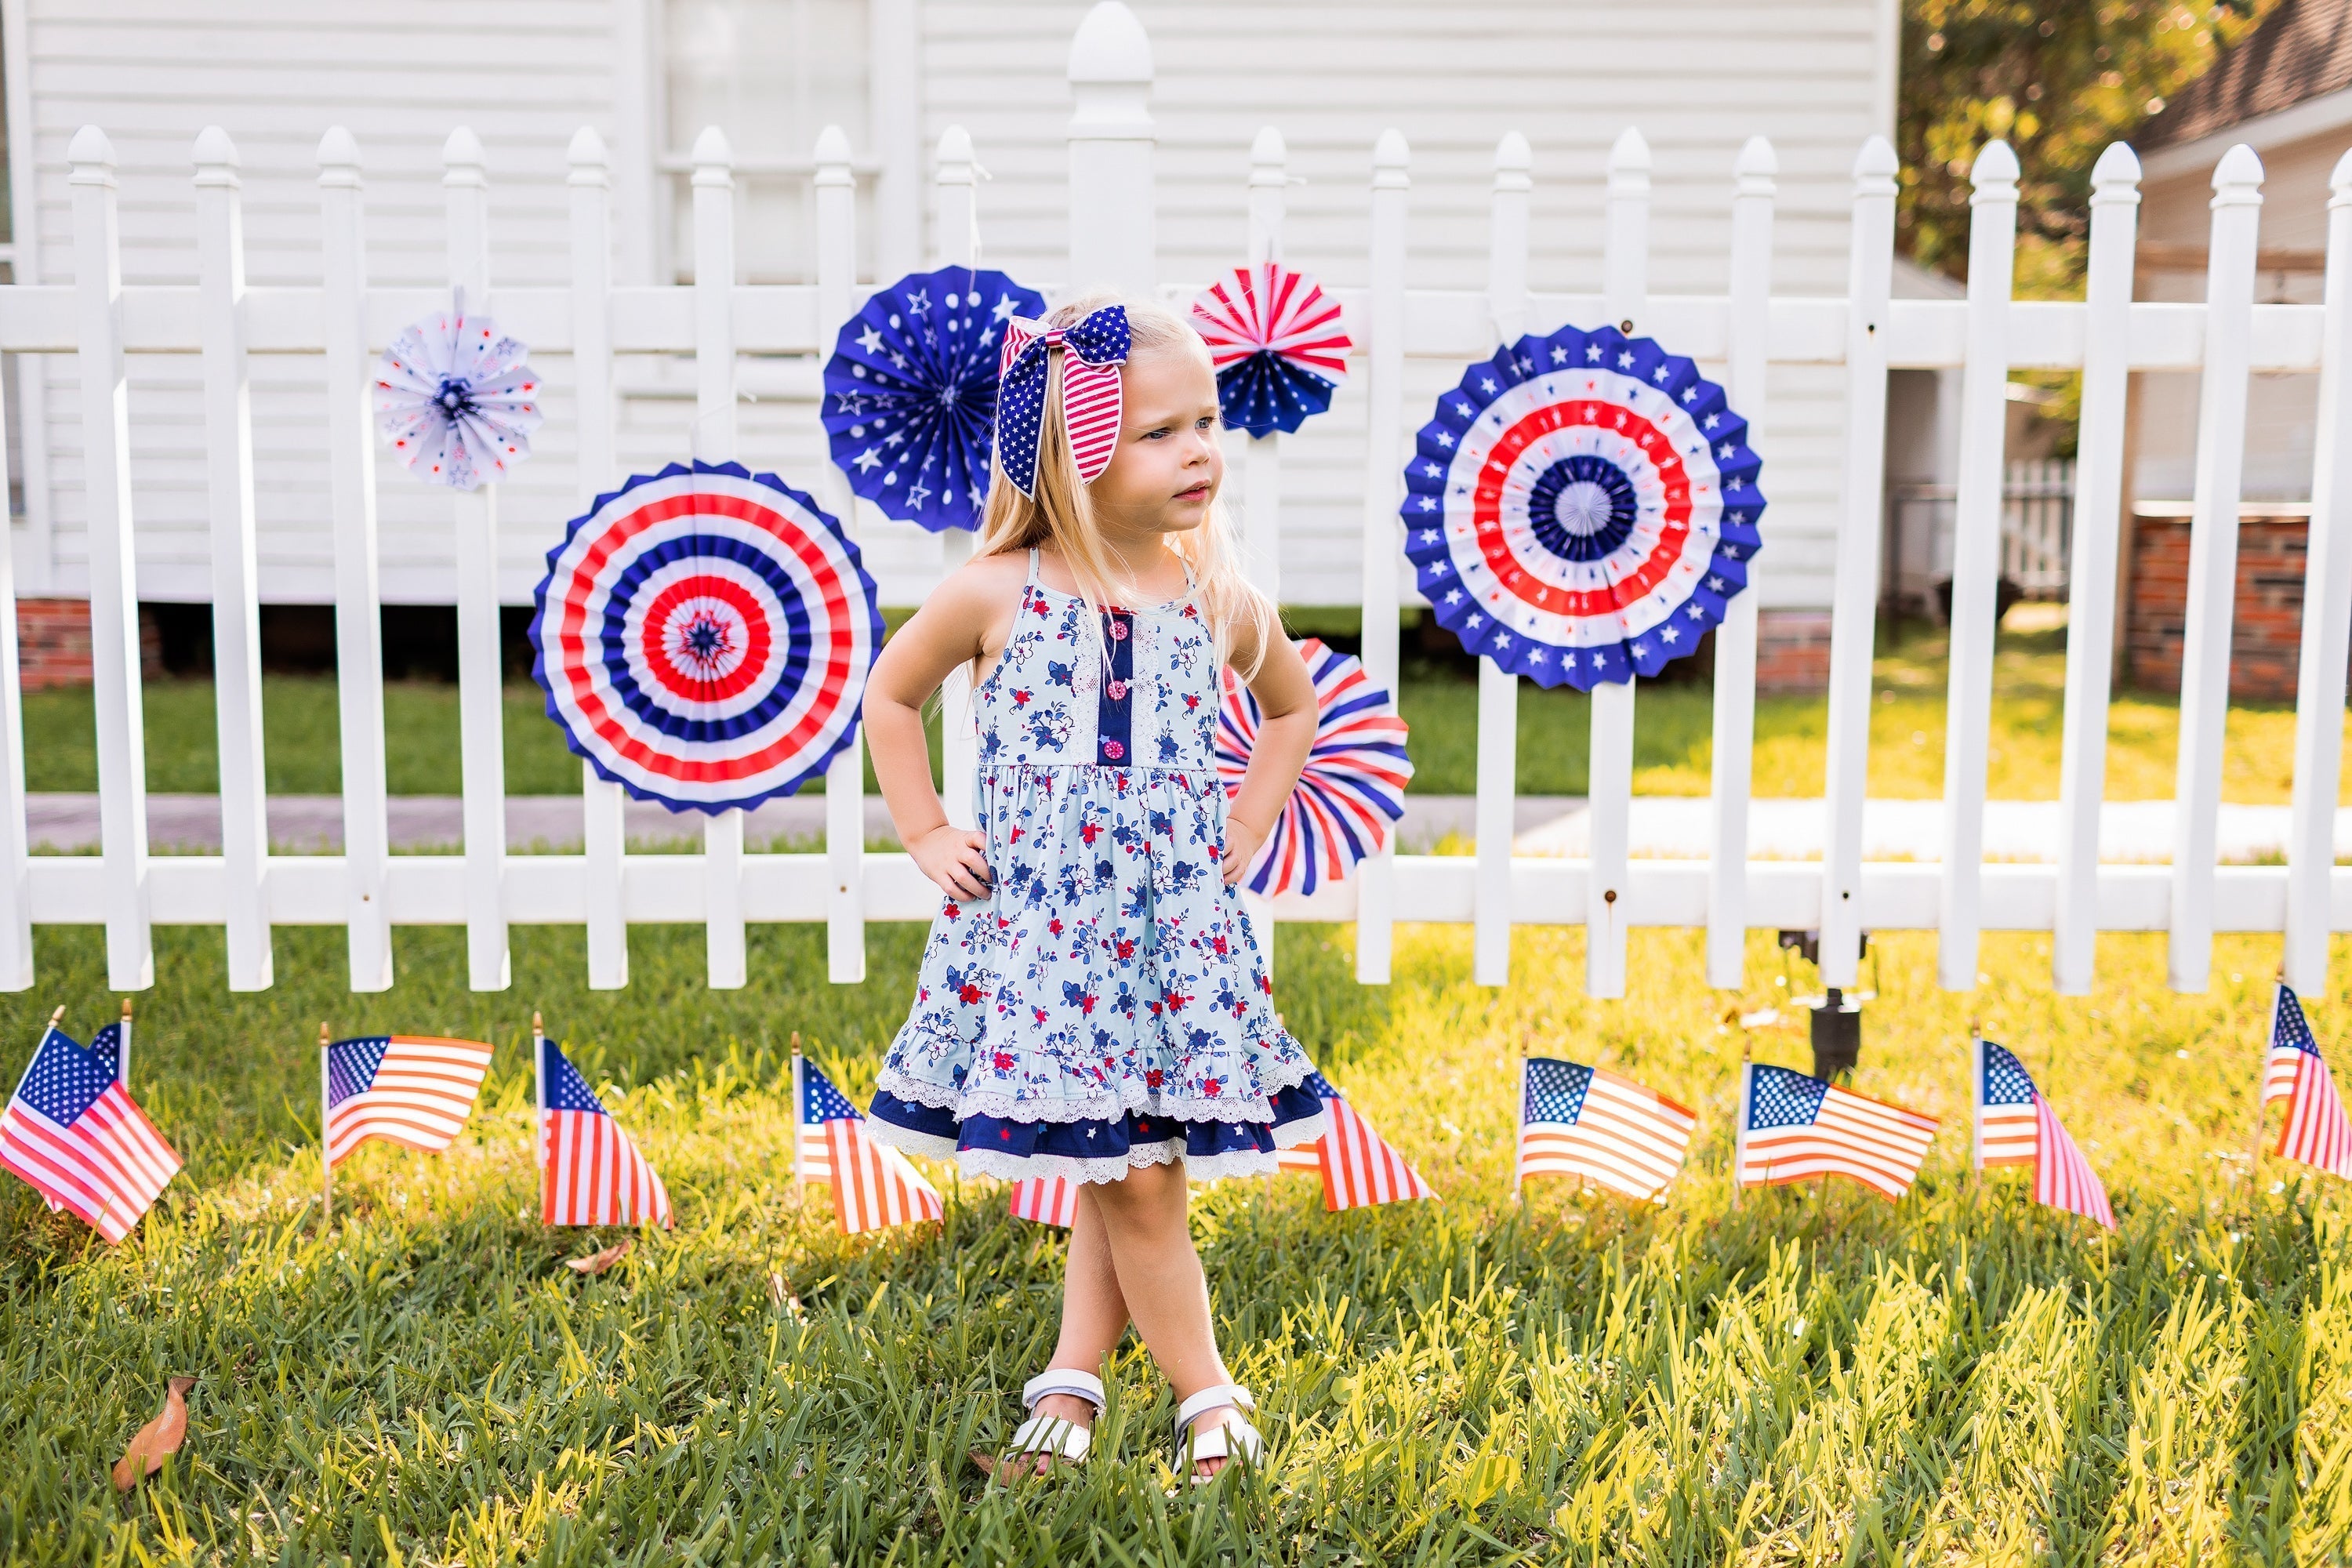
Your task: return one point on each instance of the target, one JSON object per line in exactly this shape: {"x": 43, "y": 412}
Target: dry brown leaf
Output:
{"x": 600, "y": 1261}
{"x": 781, "y": 1294}
{"x": 159, "y": 1437}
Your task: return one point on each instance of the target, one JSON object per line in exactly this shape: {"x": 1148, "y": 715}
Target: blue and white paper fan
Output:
{"x": 910, "y": 393}
{"x": 457, "y": 398}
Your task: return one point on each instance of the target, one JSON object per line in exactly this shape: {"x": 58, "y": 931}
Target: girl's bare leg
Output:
{"x": 1094, "y": 1313}
{"x": 1160, "y": 1277}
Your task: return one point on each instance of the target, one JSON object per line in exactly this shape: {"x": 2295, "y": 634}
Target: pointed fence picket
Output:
{"x": 345, "y": 321}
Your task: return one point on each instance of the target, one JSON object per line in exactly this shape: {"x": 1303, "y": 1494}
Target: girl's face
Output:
{"x": 1167, "y": 467}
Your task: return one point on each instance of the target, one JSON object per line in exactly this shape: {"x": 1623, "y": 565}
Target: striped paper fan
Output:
{"x": 1353, "y": 784}
{"x": 1278, "y": 344}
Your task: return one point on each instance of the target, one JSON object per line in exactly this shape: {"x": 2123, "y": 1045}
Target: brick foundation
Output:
{"x": 1792, "y": 651}
{"x": 53, "y": 643}
{"x": 2265, "y": 622}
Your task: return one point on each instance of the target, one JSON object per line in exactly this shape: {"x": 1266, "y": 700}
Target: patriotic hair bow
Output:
{"x": 1094, "y": 349}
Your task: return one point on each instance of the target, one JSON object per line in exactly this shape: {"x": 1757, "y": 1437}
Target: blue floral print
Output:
{"x": 1104, "y": 1005}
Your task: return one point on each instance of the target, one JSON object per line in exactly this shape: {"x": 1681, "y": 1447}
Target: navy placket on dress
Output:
{"x": 1115, "y": 728}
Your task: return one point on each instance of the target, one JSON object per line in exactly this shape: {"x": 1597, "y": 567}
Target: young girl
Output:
{"x": 1091, "y": 1004}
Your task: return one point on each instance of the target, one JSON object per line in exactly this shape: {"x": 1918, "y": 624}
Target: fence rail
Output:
{"x": 247, "y": 891}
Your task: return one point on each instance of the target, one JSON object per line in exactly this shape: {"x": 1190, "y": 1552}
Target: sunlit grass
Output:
{"x": 1814, "y": 1376}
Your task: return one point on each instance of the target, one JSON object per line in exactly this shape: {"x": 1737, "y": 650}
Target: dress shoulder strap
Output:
{"x": 1032, "y": 567}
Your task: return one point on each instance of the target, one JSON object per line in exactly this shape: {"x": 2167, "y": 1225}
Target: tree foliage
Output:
{"x": 2059, "y": 79}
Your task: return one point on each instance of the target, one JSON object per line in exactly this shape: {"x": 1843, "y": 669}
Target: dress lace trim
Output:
{"x": 1018, "y": 1167}
{"x": 1128, "y": 1098}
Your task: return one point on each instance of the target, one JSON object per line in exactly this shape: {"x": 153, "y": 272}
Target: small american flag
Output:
{"x": 1590, "y": 1123}
{"x": 1359, "y": 1167}
{"x": 75, "y": 1133}
{"x": 412, "y": 1090}
{"x": 1045, "y": 1200}
{"x": 2015, "y": 1126}
{"x": 873, "y": 1186}
{"x": 590, "y": 1171}
{"x": 1793, "y": 1128}
{"x": 2316, "y": 1132}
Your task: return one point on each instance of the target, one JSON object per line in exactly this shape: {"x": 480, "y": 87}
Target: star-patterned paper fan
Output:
{"x": 704, "y": 636}
{"x": 1351, "y": 788}
{"x": 910, "y": 393}
{"x": 457, "y": 399}
{"x": 1581, "y": 508}
{"x": 1276, "y": 342}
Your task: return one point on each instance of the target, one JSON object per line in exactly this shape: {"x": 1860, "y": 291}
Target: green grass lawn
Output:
{"x": 1673, "y": 749}
{"x": 1814, "y": 1376}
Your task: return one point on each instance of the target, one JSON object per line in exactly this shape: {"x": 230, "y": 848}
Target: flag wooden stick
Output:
{"x": 1519, "y": 1142}
{"x": 800, "y": 1184}
{"x": 1739, "y": 1128}
{"x": 1976, "y": 1101}
{"x": 54, "y": 1018}
{"x": 326, "y": 1162}
{"x": 122, "y": 1057}
{"x": 539, "y": 1122}
{"x": 2262, "y": 1102}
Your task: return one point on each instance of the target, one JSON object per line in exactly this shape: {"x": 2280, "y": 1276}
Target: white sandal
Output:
{"x": 1056, "y": 1435}
{"x": 1231, "y": 1438}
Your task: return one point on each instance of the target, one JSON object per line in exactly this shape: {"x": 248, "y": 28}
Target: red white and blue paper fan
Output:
{"x": 1582, "y": 507}
{"x": 1351, "y": 788}
{"x": 457, "y": 399}
{"x": 910, "y": 393}
{"x": 1276, "y": 342}
{"x": 704, "y": 636}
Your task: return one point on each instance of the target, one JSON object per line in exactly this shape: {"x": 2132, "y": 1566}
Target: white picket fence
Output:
{"x": 247, "y": 891}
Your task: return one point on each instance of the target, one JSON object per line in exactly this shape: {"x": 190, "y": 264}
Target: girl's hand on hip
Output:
{"x": 954, "y": 858}
{"x": 1241, "y": 843}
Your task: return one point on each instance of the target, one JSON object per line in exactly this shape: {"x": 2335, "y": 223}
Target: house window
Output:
{"x": 771, "y": 74}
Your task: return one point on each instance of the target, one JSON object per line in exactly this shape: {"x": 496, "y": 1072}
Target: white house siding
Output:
{"x": 1697, "y": 79}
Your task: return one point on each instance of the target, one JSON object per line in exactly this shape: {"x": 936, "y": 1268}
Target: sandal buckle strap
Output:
{"x": 1222, "y": 1394}
{"x": 1066, "y": 1381}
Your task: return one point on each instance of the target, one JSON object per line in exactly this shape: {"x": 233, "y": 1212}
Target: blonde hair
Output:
{"x": 1062, "y": 514}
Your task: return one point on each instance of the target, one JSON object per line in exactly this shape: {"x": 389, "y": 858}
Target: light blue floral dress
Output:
{"x": 1104, "y": 1005}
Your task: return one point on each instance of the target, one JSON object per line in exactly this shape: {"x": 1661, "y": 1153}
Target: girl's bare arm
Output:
{"x": 953, "y": 627}
{"x": 1286, "y": 700}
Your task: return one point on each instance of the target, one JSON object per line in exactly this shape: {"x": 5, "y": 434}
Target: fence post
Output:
{"x": 895, "y": 37}
{"x": 1113, "y": 243}
{"x": 1499, "y": 690}
{"x": 237, "y": 605}
{"x": 602, "y": 802}
{"x": 2213, "y": 560}
{"x": 2091, "y": 566}
{"x": 16, "y": 868}
{"x": 113, "y": 586}
{"x": 1976, "y": 559}
{"x": 956, "y": 235}
{"x": 1625, "y": 294}
{"x": 481, "y": 745}
{"x": 351, "y": 504}
{"x": 1384, "y": 330}
{"x": 1854, "y": 595}
{"x": 1734, "y": 640}
{"x": 714, "y": 442}
{"x": 845, "y": 777}
{"x": 1262, "y": 455}
{"x": 2327, "y": 620}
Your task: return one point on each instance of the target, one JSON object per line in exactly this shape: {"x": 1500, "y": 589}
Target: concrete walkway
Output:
{"x": 1663, "y": 827}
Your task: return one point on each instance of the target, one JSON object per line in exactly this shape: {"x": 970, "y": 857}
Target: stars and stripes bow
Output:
{"x": 1587, "y": 1122}
{"x": 1359, "y": 1167}
{"x": 590, "y": 1171}
{"x": 1793, "y": 1128}
{"x": 2015, "y": 1126}
{"x": 1094, "y": 347}
{"x": 2316, "y": 1132}
{"x": 72, "y": 1131}
{"x": 873, "y": 1186}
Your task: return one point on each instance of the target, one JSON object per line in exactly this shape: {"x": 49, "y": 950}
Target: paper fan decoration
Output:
{"x": 1276, "y": 338}
{"x": 1582, "y": 507}
{"x": 1353, "y": 784}
{"x": 704, "y": 634}
{"x": 457, "y": 399}
{"x": 910, "y": 393}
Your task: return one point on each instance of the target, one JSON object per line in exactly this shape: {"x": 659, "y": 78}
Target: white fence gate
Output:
{"x": 247, "y": 891}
